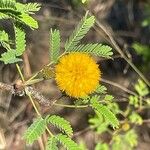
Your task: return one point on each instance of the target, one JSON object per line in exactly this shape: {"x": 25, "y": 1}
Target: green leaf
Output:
{"x": 102, "y": 146}
{"x": 4, "y": 36}
{"x": 142, "y": 49}
{"x": 131, "y": 138}
{"x": 28, "y": 20}
{"x": 3, "y": 16}
{"x": 60, "y": 123}
{"x": 9, "y": 57}
{"x": 4, "y": 40}
{"x": 141, "y": 88}
{"x": 133, "y": 100}
{"x": 54, "y": 44}
{"x": 29, "y": 8}
{"x": 98, "y": 123}
{"x": 108, "y": 97}
{"x": 95, "y": 49}
{"x": 8, "y": 7}
{"x": 101, "y": 89}
{"x": 136, "y": 118}
{"x": 51, "y": 144}
{"x": 68, "y": 143}
{"x": 125, "y": 141}
{"x": 83, "y": 1}
{"x": 35, "y": 130}
{"x": 20, "y": 41}
{"x": 102, "y": 109}
{"x": 79, "y": 32}
{"x": 7, "y": 4}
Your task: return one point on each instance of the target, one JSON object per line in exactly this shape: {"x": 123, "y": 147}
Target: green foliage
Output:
{"x": 95, "y": 49}
{"x": 83, "y": 1}
{"x": 108, "y": 97}
{"x": 67, "y": 142}
{"x": 79, "y": 32}
{"x": 54, "y": 45}
{"x": 133, "y": 100}
{"x": 4, "y": 40}
{"x": 60, "y": 123}
{"x": 101, "y": 89}
{"x": 136, "y": 118}
{"x": 29, "y": 8}
{"x": 35, "y": 130}
{"x": 29, "y": 21}
{"x": 141, "y": 88}
{"x": 98, "y": 123}
{"x": 146, "y": 21}
{"x": 8, "y": 5}
{"x": 9, "y": 57}
{"x": 131, "y": 138}
{"x": 82, "y": 145}
{"x": 125, "y": 142}
{"x": 20, "y": 16}
{"x": 51, "y": 144}
{"x": 102, "y": 109}
{"x": 20, "y": 13}
{"x": 102, "y": 146}
{"x": 143, "y": 50}
{"x": 142, "y": 91}
{"x": 20, "y": 41}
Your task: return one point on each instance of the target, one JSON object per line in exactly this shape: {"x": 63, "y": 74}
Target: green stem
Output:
{"x": 71, "y": 106}
{"x": 37, "y": 111}
{"x": 32, "y": 101}
{"x": 33, "y": 81}
{"x": 34, "y": 106}
{"x": 35, "y": 75}
{"x": 20, "y": 73}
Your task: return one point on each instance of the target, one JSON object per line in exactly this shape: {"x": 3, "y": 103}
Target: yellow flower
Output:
{"x": 77, "y": 74}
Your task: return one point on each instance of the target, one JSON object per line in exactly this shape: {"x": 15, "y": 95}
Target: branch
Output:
{"x": 21, "y": 91}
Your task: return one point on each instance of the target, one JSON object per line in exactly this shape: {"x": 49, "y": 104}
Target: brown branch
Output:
{"x": 7, "y": 87}
{"x": 118, "y": 86}
{"x": 39, "y": 97}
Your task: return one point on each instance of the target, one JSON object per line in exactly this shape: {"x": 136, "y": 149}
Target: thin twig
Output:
{"x": 118, "y": 49}
{"x": 71, "y": 106}
{"x": 7, "y": 87}
{"x": 118, "y": 86}
{"x": 19, "y": 70}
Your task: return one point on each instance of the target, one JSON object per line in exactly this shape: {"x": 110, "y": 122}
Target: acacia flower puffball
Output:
{"x": 77, "y": 74}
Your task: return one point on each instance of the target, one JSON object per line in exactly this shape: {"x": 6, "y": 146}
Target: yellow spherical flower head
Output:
{"x": 77, "y": 74}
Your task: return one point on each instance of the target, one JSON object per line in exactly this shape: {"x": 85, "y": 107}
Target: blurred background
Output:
{"x": 126, "y": 21}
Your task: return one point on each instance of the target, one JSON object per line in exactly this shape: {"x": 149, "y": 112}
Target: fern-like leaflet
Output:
{"x": 9, "y": 57}
{"x": 29, "y": 8}
{"x": 54, "y": 45}
{"x": 67, "y": 142}
{"x": 35, "y": 130}
{"x": 102, "y": 109}
{"x": 79, "y": 32}
{"x": 60, "y": 123}
{"x": 4, "y": 40}
{"x": 28, "y": 20}
{"x": 7, "y": 5}
{"x": 51, "y": 144}
{"x": 101, "y": 89}
{"x": 95, "y": 49}
{"x": 10, "y": 9}
{"x": 20, "y": 41}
